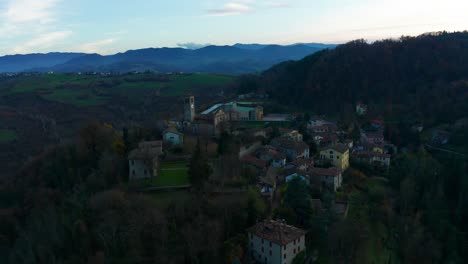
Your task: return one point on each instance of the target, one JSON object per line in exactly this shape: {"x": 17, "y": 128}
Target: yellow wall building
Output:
{"x": 338, "y": 155}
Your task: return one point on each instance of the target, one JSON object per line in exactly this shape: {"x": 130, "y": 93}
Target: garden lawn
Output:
{"x": 172, "y": 174}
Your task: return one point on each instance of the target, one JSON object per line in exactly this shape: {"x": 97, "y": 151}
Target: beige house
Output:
{"x": 143, "y": 162}
{"x": 273, "y": 242}
{"x": 291, "y": 134}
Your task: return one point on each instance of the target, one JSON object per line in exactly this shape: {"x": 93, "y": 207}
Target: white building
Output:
{"x": 273, "y": 242}
{"x": 361, "y": 109}
{"x": 173, "y": 137}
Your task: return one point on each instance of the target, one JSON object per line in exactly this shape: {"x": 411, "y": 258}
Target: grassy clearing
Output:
{"x": 174, "y": 177}
{"x": 172, "y": 174}
{"x": 7, "y": 136}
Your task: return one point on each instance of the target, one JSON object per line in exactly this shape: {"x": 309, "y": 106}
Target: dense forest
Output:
{"x": 418, "y": 78}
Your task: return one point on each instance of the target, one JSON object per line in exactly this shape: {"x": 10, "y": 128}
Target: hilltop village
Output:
{"x": 246, "y": 148}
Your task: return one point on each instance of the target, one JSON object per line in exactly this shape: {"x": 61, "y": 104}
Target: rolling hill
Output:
{"x": 235, "y": 59}
{"x": 424, "y": 77}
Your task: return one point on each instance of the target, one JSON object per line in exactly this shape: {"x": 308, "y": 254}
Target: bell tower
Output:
{"x": 189, "y": 109}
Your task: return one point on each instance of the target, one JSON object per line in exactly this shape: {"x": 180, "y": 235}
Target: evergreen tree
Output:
{"x": 199, "y": 169}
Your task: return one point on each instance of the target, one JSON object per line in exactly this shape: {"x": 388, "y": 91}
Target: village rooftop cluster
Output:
{"x": 277, "y": 153}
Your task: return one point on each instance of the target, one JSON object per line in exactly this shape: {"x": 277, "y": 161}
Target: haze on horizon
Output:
{"x": 106, "y": 27}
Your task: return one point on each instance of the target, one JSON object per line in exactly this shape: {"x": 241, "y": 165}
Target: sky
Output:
{"x": 111, "y": 26}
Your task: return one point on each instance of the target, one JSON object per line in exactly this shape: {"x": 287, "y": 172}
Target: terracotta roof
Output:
{"x": 290, "y": 144}
{"x": 272, "y": 151}
{"x": 342, "y": 148}
{"x": 368, "y": 154}
{"x": 143, "y": 154}
{"x": 172, "y": 130}
{"x": 147, "y": 150}
{"x": 374, "y": 135}
{"x": 303, "y": 162}
{"x": 330, "y": 172}
{"x": 151, "y": 144}
{"x": 277, "y": 232}
{"x": 261, "y": 164}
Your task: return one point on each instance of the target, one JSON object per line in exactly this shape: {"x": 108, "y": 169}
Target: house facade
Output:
{"x": 173, "y": 137}
{"x": 338, "y": 155}
{"x": 143, "y": 162}
{"x": 328, "y": 177}
{"x": 373, "y": 157}
{"x": 273, "y": 242}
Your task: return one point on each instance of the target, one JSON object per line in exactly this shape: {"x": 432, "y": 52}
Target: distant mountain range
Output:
{"x": 236, "y": 59}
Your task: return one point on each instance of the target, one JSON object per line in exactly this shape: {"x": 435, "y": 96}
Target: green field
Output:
{"x": 92, "y": 90}
{"x": 7, "y": 136}
{"x": 78, "y": 98}
{"x": 172, "y": 174}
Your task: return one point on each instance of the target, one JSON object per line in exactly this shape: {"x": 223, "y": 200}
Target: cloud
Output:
{"x": 232, "y": 8}
{"x": 246, "y": 6}
{"x": 22, "y": 11}
{"x": 191, "y": 45}
{"x": 41, "y": 42}
{"x": 96, "y": 46}
{"x": 274, "y": 4}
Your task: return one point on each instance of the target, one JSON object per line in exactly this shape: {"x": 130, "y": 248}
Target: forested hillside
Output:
{"x": 412, "y": 77}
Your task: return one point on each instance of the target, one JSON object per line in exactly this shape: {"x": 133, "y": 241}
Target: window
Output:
{"x": 284, "y": 247}
{"x": 263, "y": 250}
{"x": 263, "y": 240}
{"x": 133, "y": 172}
{"x": 271, "y": 253}
{"x": 294, "y": 251}
{"x": 331, "y": 152}
{"x": 133, "y": 162}
{"x": 284, "y": 256}
{"x": 271, "y": 244}
{"x": 337, "y": 157}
